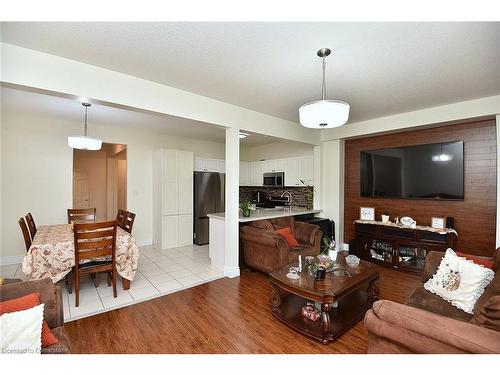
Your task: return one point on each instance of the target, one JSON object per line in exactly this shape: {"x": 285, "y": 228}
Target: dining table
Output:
{"x": 52, "y": 254}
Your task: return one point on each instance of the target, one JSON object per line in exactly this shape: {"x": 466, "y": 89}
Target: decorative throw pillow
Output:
{"x": 22, "y": 331}
{"x": 24, "y": 303}
{"x": 478, "y": 260}
{"x": 287, "y": 234}
{"x": 459, "y": 281}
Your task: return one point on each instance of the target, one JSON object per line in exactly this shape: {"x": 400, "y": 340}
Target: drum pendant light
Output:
{"x": 84, "y": 142}
{"x": 324, "y": 114}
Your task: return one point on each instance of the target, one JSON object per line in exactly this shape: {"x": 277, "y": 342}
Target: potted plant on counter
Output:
{"x": 245, "y": 208}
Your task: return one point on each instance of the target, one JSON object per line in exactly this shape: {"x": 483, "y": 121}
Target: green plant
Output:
{"x": 245, "y": 206}
{"x": 328, "y": 244}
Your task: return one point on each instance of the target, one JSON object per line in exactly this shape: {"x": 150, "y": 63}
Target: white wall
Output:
{"x": 37, "y": 171}
{"x": 276, "y": 150}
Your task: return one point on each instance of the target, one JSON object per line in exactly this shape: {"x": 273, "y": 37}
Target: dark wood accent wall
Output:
{"x": 475, "y": 216}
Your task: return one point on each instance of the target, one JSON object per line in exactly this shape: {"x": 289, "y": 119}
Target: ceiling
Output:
{"x": 42, "y": 105}
{"x": 379, "y": 68}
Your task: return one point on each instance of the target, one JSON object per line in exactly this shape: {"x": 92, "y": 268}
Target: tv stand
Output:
{"x": 399, "y": 247}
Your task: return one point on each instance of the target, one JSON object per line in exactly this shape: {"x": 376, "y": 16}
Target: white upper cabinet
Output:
{"x": 306, "y": 171}
{"x": 244, "y": 173}
{"x": 291, "y": 172}
{"x": 295, "y": 169}
{"x": 209, "y": 165}
{"x": 256, "y": 171}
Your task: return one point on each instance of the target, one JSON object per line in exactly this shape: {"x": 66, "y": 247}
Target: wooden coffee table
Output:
{"x": 344, "y": 299}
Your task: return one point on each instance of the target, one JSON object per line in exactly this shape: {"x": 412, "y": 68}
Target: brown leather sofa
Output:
{"x": 429, "y": 324}
{"x": 266, "y": 251}
{"x": 53, "y": 314}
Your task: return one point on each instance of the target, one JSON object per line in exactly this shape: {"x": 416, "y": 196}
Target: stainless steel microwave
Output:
{"x": 274, "y": 179}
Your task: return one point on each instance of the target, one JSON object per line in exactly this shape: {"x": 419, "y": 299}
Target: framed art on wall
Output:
{"x": 367, "y": 213}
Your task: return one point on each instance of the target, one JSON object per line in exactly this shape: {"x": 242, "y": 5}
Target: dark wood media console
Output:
{"x": 399, "y": 247}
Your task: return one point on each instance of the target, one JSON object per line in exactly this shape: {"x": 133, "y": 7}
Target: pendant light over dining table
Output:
{"x": 324, "y": 114}
{"x": 84, "y": 142}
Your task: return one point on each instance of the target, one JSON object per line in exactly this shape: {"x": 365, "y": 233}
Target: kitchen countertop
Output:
{"x": 268, "y": 213}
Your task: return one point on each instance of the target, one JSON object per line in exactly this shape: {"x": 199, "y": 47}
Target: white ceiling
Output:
{"x": 379, "y": 68}
{"x": 43, "y": 105}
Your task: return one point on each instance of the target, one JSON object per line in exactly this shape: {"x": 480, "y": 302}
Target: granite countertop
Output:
{"x": 268, "y": 213}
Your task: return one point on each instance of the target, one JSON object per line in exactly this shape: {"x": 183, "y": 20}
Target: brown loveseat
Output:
{"x": 53, "y": 314}
{"x": 429, "y": 324}
{"x": 266, "y": 251}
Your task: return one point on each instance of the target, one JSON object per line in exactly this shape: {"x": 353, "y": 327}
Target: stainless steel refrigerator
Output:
{"x": 209, "y": 190}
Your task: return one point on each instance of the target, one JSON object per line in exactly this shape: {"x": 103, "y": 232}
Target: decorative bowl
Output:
{"x": 352, "y": 260}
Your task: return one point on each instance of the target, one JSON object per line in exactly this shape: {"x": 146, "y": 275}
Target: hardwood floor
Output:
{"x": 224, "y": 316}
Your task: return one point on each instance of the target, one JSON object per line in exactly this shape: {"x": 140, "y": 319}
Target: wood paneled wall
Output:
{"x": 475, "y": 216}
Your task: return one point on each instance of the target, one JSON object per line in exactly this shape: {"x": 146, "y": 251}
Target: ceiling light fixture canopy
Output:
{"x": 242, "y": 135}
{"x": 324, "y": 114}
{"x": 84, "y": 142}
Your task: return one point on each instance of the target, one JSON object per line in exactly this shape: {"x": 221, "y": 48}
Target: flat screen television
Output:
{"x": 430, "y": 171}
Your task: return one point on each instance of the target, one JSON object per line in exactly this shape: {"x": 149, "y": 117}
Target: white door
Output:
{"x": 185, "y": 230}
{"x": 170, "y": 232}
{"x": 80, "y": 190}
{"x": 185, "y": 163}
{"x": 170, "y": 188}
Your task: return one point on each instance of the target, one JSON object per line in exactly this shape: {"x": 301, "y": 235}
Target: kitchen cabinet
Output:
{"x": 209, "y": 165}
{"x": 244, "y": 173}
{"x": 306, "y": 171}
{"x": 172, "y": 198}
{"x": 291, "y": 172}
{"x": 256, "y": 172}
{"x": 295, "y": 169}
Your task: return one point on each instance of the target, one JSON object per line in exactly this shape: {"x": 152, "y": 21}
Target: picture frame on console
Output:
{"x": 367, "y": 213}
{"x": 437, "y": 222}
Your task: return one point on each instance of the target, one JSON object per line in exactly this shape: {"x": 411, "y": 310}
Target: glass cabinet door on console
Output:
{"x": 411, "y": 256}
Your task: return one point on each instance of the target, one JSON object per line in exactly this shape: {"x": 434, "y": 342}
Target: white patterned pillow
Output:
{"x": 459, "y": 281}
{"x": 21, "y": 331}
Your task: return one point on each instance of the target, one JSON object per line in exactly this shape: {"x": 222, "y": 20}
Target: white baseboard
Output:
{"x": 14, "y": 259}
{"x": 231, "y": 272}
{"x": 144, "y": 243}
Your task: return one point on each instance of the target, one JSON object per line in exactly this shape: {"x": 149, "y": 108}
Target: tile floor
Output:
{"x": 160, "y": 272}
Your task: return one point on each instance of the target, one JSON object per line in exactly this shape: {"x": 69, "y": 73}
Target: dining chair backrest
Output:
{"x": 26, "y": 234}
{"x": 128, "y": 222}
{"x": 120, "y": 217}
{"x": 93, "y": 240}
{"x": 81, "y": 214}
{"x": 31, "y": 224}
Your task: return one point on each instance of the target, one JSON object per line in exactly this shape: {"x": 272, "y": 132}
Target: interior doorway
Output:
{"x": 100, "y": 180}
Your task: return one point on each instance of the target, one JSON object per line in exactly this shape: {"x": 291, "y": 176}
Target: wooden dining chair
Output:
{"x": 120, "y": 218}
{"x": 31, "y": 224}
{"x": 128, "y": 222}
{"x": 26, "y": 233}
{"x": 94, "y": 240}
{"x": 81, "y": 214}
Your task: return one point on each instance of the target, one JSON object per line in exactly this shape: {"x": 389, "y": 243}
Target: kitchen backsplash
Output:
{"x": 301, "y": 195}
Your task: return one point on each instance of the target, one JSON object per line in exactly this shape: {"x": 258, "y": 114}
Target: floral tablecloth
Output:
{"x": 52, "y": 253}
